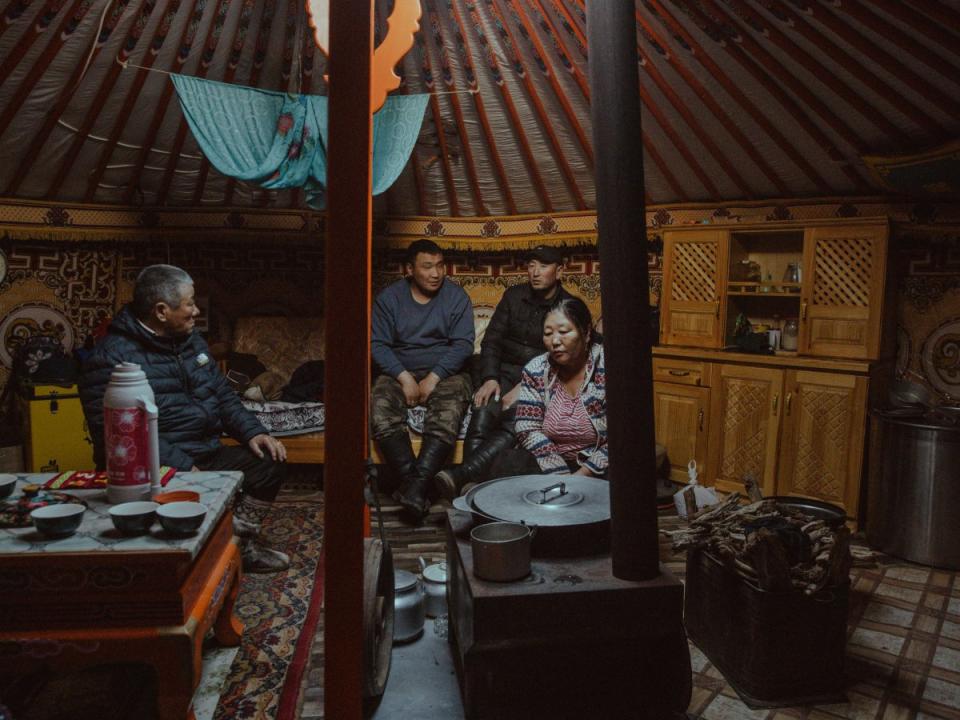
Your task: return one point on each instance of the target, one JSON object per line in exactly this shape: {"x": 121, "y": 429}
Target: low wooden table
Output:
{"x": 99, "y": 597}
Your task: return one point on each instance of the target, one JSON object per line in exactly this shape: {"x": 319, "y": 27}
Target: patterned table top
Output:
{"x": 97, "y": 533}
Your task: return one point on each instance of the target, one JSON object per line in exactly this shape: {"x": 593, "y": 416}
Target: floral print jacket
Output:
{"x": 536, "y": 387}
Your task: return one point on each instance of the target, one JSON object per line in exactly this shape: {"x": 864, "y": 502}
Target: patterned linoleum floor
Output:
{"x": 902, "y": 654}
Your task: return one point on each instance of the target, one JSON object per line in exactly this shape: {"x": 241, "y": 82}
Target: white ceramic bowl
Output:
{"x": 58, "y": 520}
{"x": 7, "y": 483}
{"x": 181, "y": 518}
{"x": 134, "y": 518}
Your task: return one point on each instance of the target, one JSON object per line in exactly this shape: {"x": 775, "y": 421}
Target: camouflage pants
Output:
{"x": 445, "y": 407}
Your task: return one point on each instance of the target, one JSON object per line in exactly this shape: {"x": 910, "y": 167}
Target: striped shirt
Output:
{"x": 567, "y": 424}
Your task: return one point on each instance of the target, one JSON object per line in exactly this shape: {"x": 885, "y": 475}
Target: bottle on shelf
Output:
{"x": 792, "y": 273}
{"x": 774, "y": 333}
{"x": 766, "y": 287}
{"x": 788, "y": 338}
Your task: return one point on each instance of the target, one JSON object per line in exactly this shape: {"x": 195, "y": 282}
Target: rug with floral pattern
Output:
{"x": 274, "y": 607}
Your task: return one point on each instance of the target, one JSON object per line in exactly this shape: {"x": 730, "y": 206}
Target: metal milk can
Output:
{"x": 434, "y": 587}
{"x": 408, "y": 607}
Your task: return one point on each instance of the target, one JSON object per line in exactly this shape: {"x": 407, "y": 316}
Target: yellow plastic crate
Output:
{"x": 55, "y": 430}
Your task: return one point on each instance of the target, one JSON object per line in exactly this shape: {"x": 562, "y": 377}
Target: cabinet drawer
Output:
{"x": 684, "y": 372}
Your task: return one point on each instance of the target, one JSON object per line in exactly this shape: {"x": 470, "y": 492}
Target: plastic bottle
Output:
{"x": 703, "y": 495}
{"x": 130, "y": 434}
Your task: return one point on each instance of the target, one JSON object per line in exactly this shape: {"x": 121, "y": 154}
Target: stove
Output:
{"x": 568, "y": 641}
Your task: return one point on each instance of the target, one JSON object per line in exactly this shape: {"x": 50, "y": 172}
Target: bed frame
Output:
{"x": 310, "y": 448}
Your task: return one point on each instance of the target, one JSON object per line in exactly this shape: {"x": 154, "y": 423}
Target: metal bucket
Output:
{"x": 912, "y": 496}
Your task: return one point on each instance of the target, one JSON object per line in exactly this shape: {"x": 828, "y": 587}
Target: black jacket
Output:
{"x": 193, "y": 398}
{"x": 514, "y": 335}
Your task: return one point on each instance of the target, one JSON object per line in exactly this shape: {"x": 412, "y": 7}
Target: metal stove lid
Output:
{"x": 545, "y": 500}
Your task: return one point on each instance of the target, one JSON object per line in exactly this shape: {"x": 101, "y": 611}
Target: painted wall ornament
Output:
{"x": 940, "y": 358}
{"x": 403, "y": 22}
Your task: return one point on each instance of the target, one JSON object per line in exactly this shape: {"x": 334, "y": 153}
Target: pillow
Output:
{"x": 281, "y": 343}
{"x": 416, "y": 416}
{"x": 283, "y": 418}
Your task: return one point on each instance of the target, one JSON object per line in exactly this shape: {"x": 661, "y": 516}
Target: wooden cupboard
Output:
{"x": 691, "y": 305}
{"x": 681, "y": 409}
{"x": 746, "y": 416}
{"x": 682, "y": 414}
{"x": 842, "y": 297}
{"x": 795, "y": 420}
{"x": 822, "y": 437}
{"x": 796, "y": 425}
{"x": 829, "y": 277}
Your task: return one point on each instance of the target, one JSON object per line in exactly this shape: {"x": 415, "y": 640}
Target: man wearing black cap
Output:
{"x": 513, "y": 338}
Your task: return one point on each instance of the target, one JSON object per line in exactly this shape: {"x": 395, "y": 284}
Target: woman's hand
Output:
{"x": 583, "y": 470}
{"x": 263, "y": 443}
{"x": 511, "y": 397}
{"x": 491, "y": 388}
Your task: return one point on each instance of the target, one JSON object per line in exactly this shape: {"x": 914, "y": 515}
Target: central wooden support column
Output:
{"x": 624, "y": 285}
{"x": 347, "y": 379}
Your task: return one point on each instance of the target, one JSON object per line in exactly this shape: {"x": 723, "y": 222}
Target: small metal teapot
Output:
{"x": 434, "y": 587}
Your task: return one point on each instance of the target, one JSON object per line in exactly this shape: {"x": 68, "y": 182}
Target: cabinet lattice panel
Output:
{"x": 744, "y": 402}
{"x": 823, "y": 415}
{"x": 842, "y": 272}
{"x": 694, "y": 272}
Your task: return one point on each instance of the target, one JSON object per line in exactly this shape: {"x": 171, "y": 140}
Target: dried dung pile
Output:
{"x": 775, "y": 547}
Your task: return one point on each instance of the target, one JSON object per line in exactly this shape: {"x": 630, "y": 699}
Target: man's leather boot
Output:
{"x": 483, "y": 421}
{"x": 398, "y": 452}
{"x": 412, "y": 495}
{"x": 450, "y": 482}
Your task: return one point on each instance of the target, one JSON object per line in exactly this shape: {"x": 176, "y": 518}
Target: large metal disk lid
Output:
{"x": 545, "y": 500}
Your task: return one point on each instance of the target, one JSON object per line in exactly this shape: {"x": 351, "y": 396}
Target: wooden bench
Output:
{"x": 310, "y": 448}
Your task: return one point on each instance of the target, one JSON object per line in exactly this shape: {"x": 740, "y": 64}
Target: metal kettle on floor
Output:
{"x": 434, "y": 587}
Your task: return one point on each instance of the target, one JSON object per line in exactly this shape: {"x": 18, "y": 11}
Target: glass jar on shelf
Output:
{"x": 792, "y": 273}
{"x": 788, "y": 336}
{"x": 747, "y": 271}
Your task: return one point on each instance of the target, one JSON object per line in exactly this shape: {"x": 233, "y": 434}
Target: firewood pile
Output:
{"x": 774, "y": 547}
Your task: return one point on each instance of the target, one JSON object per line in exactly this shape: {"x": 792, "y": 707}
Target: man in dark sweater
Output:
{"x": 156, "y": 331}
{"x": 422, "y": 336}
{"x": 513, "y": 338}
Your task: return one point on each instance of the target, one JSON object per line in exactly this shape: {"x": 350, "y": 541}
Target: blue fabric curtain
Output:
{"x": 279, "y": 140}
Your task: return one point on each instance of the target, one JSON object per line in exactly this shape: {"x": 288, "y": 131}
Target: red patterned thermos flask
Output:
{"x": 130, "y": 432}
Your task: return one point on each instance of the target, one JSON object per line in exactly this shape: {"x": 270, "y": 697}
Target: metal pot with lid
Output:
{"x": 571, "y": 512}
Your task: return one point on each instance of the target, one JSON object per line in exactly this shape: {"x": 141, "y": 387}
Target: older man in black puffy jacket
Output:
{"x": 195, "y": 403}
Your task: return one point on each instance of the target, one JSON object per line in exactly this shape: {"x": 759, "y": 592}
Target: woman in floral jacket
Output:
{"x": 561, "y": 416}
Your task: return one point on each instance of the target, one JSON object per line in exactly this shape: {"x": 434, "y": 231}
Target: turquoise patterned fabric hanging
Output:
{"x": 277, "y": 140}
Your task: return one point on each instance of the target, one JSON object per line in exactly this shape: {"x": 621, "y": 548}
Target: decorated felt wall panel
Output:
{"x": 66, "y": 289}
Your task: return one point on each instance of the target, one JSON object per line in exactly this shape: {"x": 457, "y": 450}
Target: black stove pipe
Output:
{"x": 624, "y": 285}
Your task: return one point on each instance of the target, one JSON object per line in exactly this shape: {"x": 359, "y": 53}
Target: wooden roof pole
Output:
{"x": 624, "y": 284}
{"x": 347, "y": 290}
